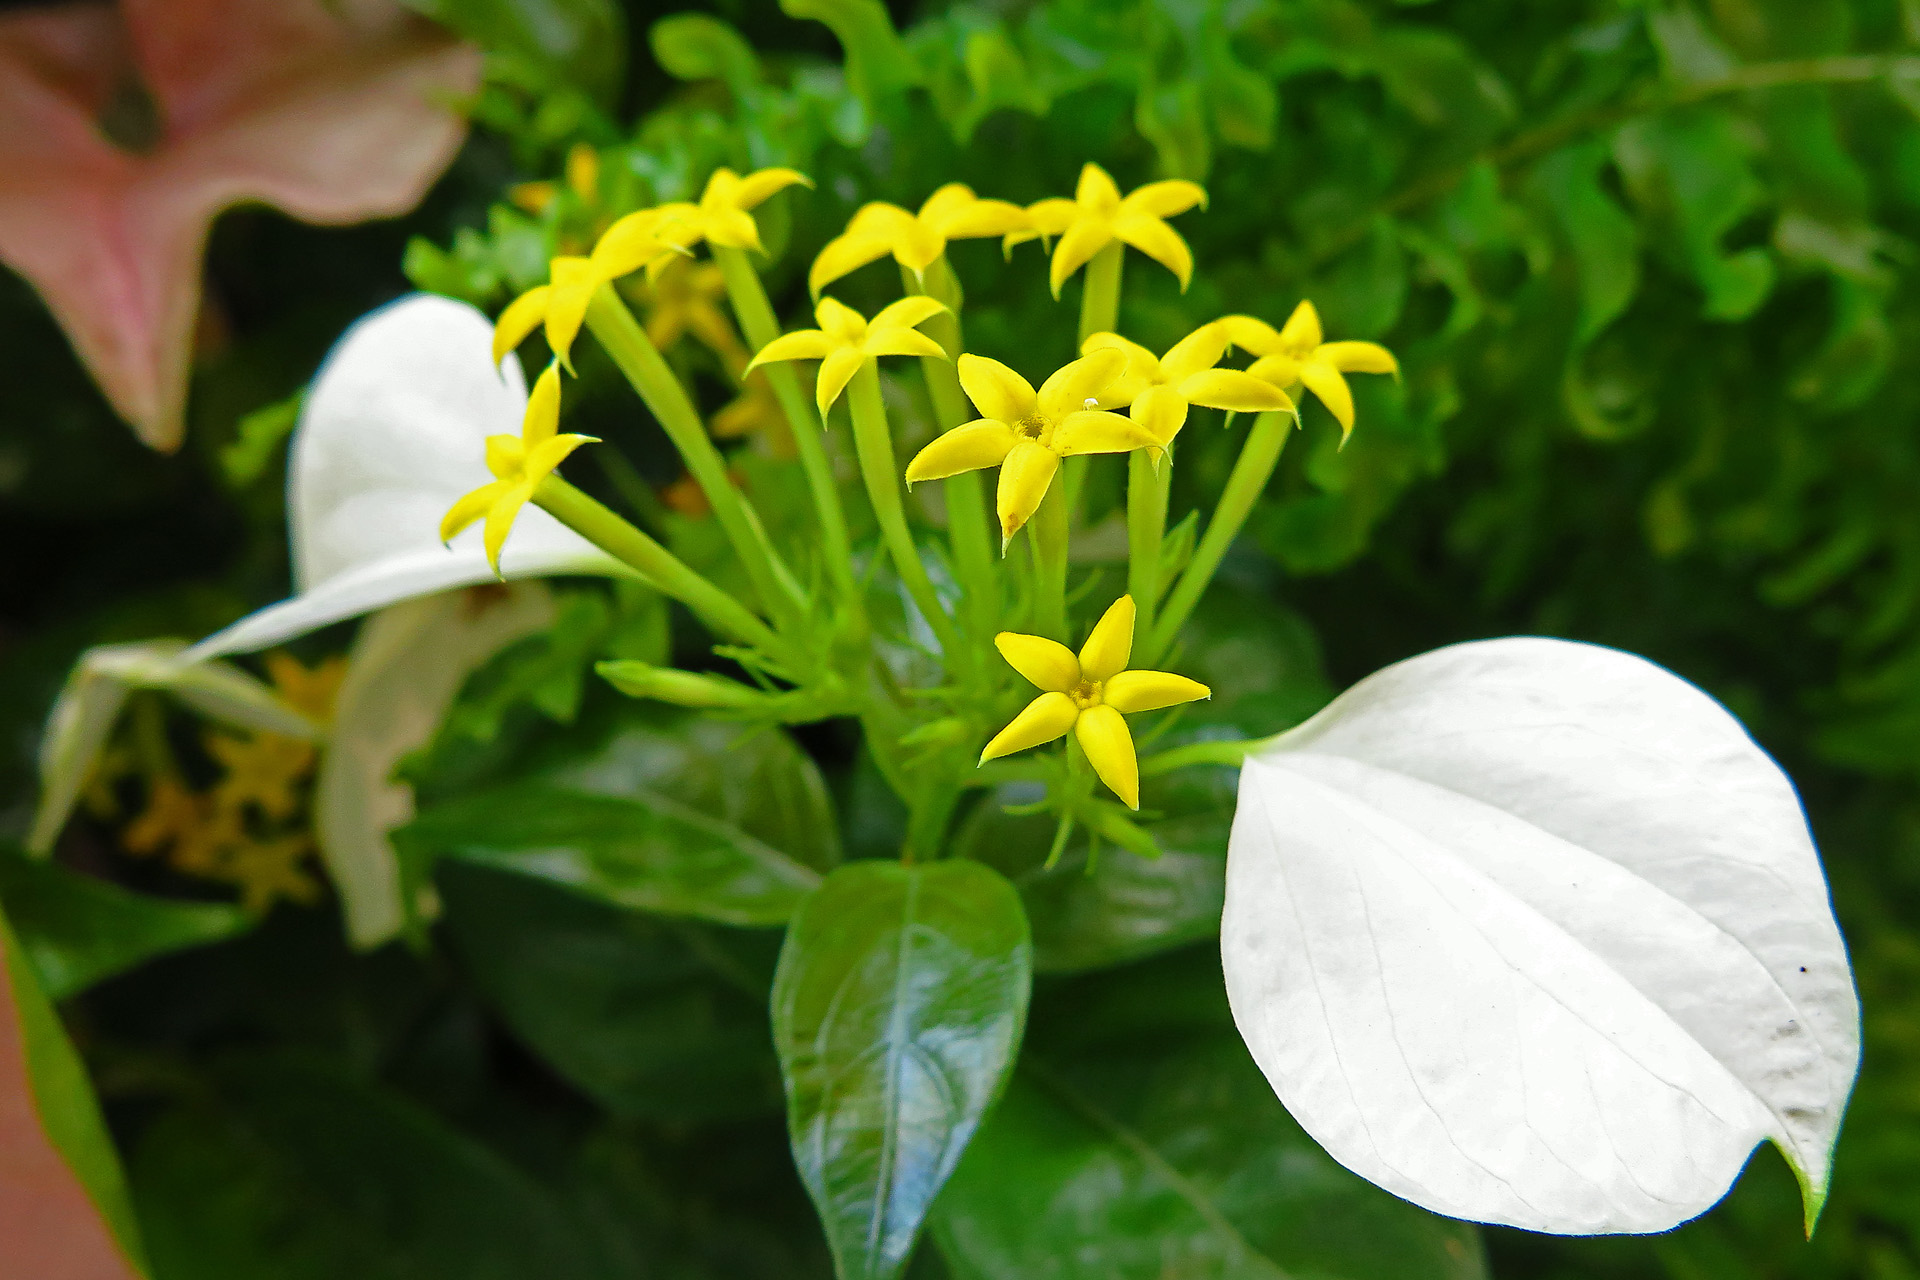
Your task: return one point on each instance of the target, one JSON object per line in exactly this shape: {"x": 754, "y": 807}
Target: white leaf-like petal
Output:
{"x": 1532, "y": 932}
{"x": 408, "y": 662}
{"x": 393, "y": 431}
{"x": 84, "y": 714}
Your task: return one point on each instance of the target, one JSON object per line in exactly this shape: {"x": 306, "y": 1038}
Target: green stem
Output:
{"x": 623, "y": 338}
{"x": 723, "y": 614}
{"x": 1258, "y": 457}
{"x": 873, "y": 443}
{"x": 1146, "y": 529}
{"x": 1100, "y": 297}
{"x": 1228, "y": 753}
{"x": 968, "y": 532}
{"x": 1048, "y": 530}
{"x": 755, "y": 313}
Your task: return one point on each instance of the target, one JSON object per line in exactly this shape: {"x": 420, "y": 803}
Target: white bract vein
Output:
{"x": 393, "y": 432}
{"x": 1531, "y": 932}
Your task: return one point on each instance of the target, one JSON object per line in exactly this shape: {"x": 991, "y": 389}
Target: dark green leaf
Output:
{"x": 643, "y": 851}
{"x": 77, "y": 930}
{"x": 291, "y": 1170}
{"x": 897, "y": 1011}
{"x": 1138, "y": 1141}
{"x": 653, "y": 1018}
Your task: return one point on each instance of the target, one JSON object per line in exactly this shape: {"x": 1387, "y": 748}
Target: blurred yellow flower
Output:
{"x": 723, "y": 214}
{"x": 1296, "y": 354}
{"x": 267, "y": 870}
{"x": 1026, "y": 432}
{"x": 916, "y": 240}
{"x": 684, "y": 297}
{"x": 846, "y": 340}
{"x": 1159, "y": 390}
{"x": 519, "y": 464}
{"x": 308, "y": 690}
{"x": 1098, "y": 215}
{"x": 1089, "y": 694}
{"x": 263, "y": 769}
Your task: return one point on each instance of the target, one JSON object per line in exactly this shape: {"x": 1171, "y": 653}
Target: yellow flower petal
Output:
{"x": 1250, "y": 333}
{"x": 1282, "y": 371}
{"x": 1326, "y": 382}
{"x": 1045, "y": 664}
{"x": 845, "y": 254}
{"x": 1165, "y": 199}
{"x": 1086, "y": 237}
{"x": 981, "y": 218}
{"x": 550, "y": 454}
{"x": 1235, "y": 390}
{"x": 1103, "y": 736}
{"x": 901, "y": 342}
{"x": 1099, "y": 431}
{"x": 542, "y": 417}
{"x": 1045, "y": 219}
{"x": 997, "y": 391}
{"x": 756, "y": 187}
{"x": 573, "y": 284}
{"x": 630, "y": 244}
{"x": 1199, "y": 350}
{"x": 948, "y": 200}
{"x": 1161, "y": 412}
{"x": 975, "y": 445}
{"x": 839, "y": 321}
{"x": 1045, "y": 718}
{"x": 1024, "y": 476}
{"x": 1107, "y": 649}
{"x": 918, "y": 247}
{"x": 506, "y": 456}
{"x": 1358, "y": 357}
{"x": 1079, "y": 381}
{"x": 469, "y": 508}
{"x": 1131, "y": 691}
{"x": 801, "y": 344}
{"x": 522, "y": 316}
{"x": 1158, "y": 241}
{"x": 734, "y": 228}
{"x": 1142, "y": 371}
{"x": 1095, "y": 190}
{"x": 836, "y": 371}
{"x": 500, "y": 517}
{"x": 908, "y": 313}
{"x": 1301, "y": 333}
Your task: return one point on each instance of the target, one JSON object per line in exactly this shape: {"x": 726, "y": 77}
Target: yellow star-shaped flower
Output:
{"x": 1159, "y": 390}
{"x": 1296, "y": 354}
{"x": 722, "y": 216}
{"x": 633, "y": 242}
{"x": 519, "y": 464}
{"x": 916, "y": 240}
{"x": 1026, "y": 432}
{"x": 264, "y": 770}
{"x": 846, "y": 340}
{"x": 684, "y": 297}
{"x": 1098, "y": 215}
{"x": 1089, "y": 694}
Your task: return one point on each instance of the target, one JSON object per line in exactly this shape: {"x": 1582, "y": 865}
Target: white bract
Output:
{"x": 393, "y": 432}
{"x": 1531, "y": 932}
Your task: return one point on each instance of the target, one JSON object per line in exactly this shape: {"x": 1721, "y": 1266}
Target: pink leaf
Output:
{"x": 332, "y": 110}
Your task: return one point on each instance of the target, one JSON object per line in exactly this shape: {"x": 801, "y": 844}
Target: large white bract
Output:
{"x": 1531, "y": 932}
{"x": 393, "y": 432}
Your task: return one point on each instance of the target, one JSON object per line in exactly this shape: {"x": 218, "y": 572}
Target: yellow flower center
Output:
{"x": 1035, "y": 426}
{"x": 1086, "y": 694}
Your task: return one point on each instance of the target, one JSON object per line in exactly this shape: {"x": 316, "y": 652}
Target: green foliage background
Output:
{"x": 1649, "y": 269}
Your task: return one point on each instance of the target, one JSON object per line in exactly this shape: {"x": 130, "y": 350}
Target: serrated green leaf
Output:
{"x": 897, "y": 1011}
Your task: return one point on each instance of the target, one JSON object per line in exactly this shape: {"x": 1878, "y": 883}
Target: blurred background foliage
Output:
{"x": 1649, "y": 269}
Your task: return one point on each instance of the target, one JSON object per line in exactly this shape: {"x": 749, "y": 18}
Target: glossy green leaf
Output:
{"x": 77, "y": 930}
{"x": 658, "y": 1019}
{"x": 63, "y": 1196}
{"x": 288, "y": 1168}
{"x": 643, "y": 851}
{"x": 755, "y": 779}
{"x": 897, "y": 1011}
{"x": 1138, "y": 1141}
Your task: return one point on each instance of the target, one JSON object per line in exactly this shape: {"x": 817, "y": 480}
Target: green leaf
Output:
{"x": 696, "y": 46}
{"x": 245, "y": 459}
{"x": 60, "y": 1109}
{"x": 755, "y": 779}
{"x": 288, "y": 1168}
{"x": 1604, "y": 243}
{"x": 77, "y": 930}
{"x": 572, "y": 42}
{"x": 1139, "y": 1141}
{"x": 642, "y": 851}
{"x": 654, "y": 1019}
{"x": 897, "y": 1011}
{"x": 877, "y": 62}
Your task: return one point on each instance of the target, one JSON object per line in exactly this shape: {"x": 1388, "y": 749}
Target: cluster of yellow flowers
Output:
{"x": 1116, "y": 397}
{"x": 247, "y": 829}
